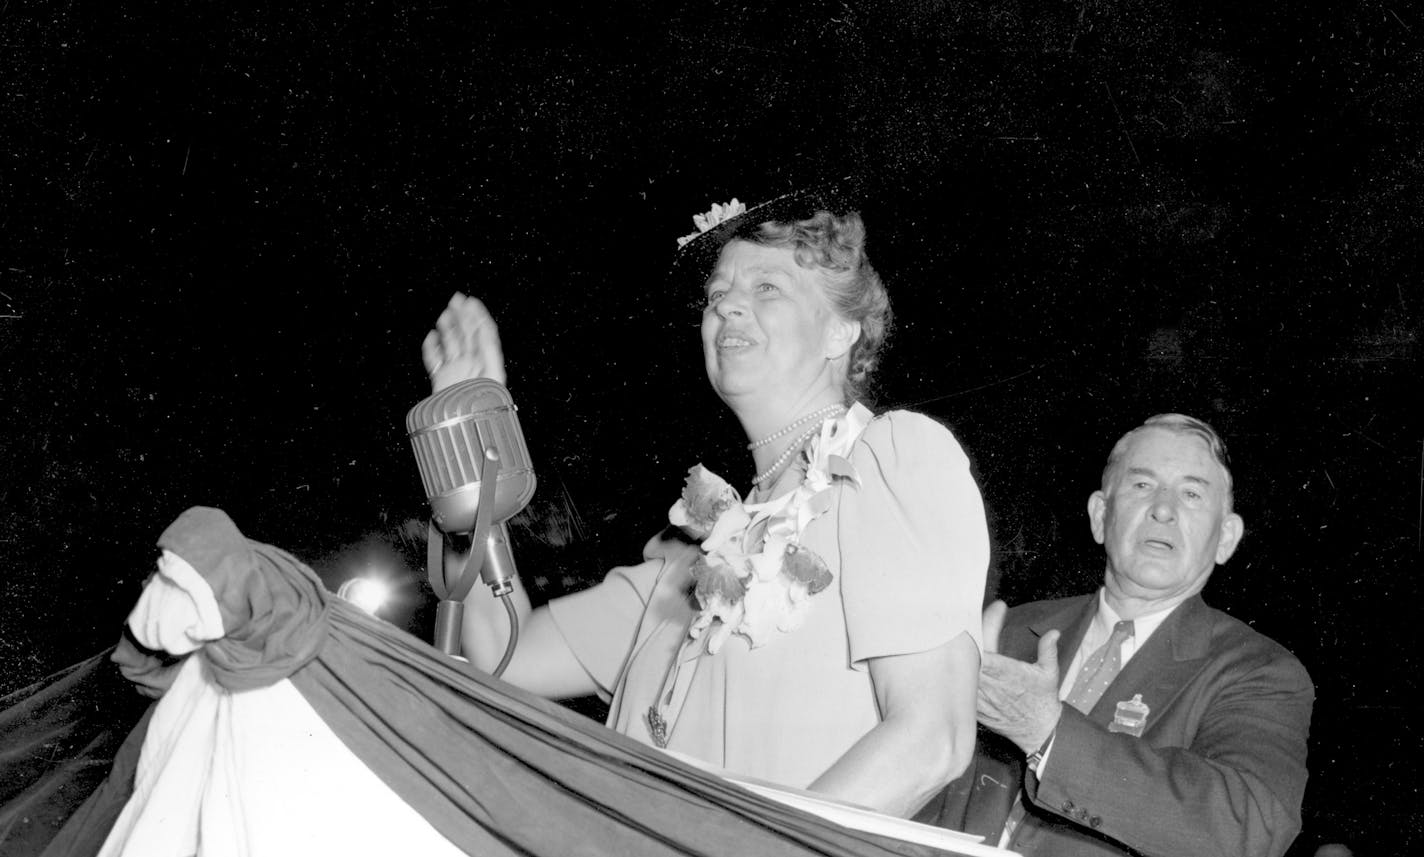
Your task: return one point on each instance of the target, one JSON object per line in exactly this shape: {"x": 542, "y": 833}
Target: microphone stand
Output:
{"x": 489, "y": 558}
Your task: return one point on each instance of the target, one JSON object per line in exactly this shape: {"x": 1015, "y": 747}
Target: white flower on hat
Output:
{"x": 719, "y": 214}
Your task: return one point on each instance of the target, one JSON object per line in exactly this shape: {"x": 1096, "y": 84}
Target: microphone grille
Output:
{"x": 449, "y": 433}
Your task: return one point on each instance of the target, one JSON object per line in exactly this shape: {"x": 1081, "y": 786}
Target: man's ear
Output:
{"x": 1232, "y": 529}
{"x": 1097, "y": 514}
{"x": 841, "y": 336}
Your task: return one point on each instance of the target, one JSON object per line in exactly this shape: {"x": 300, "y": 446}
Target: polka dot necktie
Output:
{"x": 1099, "y": 670}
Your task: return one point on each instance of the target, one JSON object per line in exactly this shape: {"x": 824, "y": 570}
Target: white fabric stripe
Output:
{"x": 257, "y": 774}
{"x": 177, "y": 611}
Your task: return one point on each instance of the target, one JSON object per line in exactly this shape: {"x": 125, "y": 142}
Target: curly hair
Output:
{"x": 834, "y": 246}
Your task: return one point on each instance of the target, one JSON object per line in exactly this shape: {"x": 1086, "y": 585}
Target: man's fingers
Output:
{"x": 1048, "y": 651}
{"x": 994, "y": 625}
{"x": 990, "y": 665}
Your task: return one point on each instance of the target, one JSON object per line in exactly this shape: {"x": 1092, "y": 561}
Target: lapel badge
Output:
{"x": 1131, "y": 716}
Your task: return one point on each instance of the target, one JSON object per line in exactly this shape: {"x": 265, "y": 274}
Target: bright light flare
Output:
{"x": 365, "y": 592}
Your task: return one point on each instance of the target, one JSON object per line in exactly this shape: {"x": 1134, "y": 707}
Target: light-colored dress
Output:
{"x": 908, "y": 547}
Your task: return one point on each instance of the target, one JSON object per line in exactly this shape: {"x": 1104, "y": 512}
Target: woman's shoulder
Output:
{"x": 906, "y": 432}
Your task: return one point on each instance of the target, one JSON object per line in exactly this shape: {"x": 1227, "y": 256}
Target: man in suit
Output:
{"x": 1171, "y": 729}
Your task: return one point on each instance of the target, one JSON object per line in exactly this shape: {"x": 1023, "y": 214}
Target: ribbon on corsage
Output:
{"x": 754, "y": 577}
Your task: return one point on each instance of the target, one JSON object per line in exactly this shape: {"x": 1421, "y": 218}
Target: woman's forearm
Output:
{"x": 485, "y": 630}
{"x": 542, "y": 662}
{"x": 925, "y": 737}
{"x": 898, "y": 766}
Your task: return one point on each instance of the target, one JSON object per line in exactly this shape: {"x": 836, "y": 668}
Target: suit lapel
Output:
{"x": 1072, "y": 622}
{"x": 1161, "y": 669}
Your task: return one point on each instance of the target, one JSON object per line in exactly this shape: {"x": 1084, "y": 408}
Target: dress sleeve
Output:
{"x": 601, "y": 623}
{"x": 914, "y": 541}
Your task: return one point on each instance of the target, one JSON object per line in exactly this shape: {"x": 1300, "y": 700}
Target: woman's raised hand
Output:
{"x": 463, "y": 345}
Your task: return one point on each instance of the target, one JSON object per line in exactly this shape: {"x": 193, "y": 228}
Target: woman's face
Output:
{"x": 768, "y": 330}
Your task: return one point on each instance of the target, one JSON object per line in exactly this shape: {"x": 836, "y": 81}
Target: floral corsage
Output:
{"x": 754, "y": 577}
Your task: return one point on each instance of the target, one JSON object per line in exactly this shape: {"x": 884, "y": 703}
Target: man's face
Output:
{"x": 1163, "y": 519}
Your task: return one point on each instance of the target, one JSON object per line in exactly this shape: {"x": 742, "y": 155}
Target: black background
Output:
{"x": 225, "y": 231}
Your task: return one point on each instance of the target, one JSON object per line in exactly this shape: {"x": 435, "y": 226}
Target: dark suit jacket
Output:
{"x": 1219, "y": 767}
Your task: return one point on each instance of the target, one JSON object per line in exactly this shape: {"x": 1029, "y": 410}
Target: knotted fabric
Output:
{"x": 273, "y": 608}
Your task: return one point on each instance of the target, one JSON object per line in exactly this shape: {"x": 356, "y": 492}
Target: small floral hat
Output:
{"x": 697, "y": 251}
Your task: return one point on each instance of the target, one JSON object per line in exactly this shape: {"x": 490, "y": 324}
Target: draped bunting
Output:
{"x": 493, "y": 769}
{"x": 58, "y": 740}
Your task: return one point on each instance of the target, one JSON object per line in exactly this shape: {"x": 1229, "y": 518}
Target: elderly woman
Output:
{"x": 822, "y": 631}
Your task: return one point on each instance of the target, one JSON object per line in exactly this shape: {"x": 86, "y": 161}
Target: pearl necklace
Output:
{"x": 786, "y": 454}
{"x": 786, "y": 429}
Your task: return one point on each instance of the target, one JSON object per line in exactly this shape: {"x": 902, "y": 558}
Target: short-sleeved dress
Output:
{"x": 908, "y": 547}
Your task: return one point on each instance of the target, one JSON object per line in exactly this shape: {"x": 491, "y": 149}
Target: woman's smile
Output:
{"x": 733, "y": 342}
